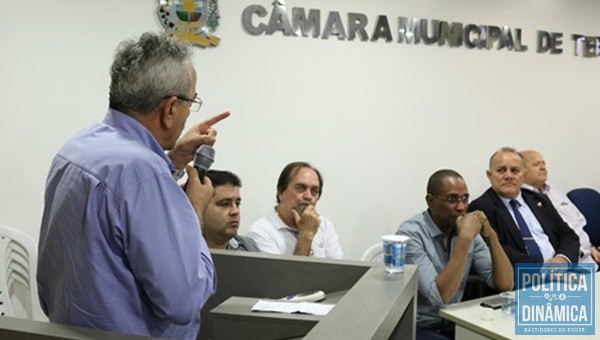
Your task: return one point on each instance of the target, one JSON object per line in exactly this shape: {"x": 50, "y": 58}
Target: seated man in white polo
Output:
{"x": 294, "y": 227}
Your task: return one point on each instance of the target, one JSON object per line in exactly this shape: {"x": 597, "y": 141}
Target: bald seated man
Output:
{"x": 536, "y": 179}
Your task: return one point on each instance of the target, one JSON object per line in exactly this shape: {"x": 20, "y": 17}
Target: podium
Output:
{"x": 369, "y": 304}
{"x": 15, "y": 328}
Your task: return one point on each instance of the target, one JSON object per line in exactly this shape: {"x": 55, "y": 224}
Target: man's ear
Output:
{"x": 428, "y": 199}
{"x": 168, "y": 110}
{"x": 488, "y": 173}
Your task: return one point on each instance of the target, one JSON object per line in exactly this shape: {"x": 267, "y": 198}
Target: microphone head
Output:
{"x": 205, "y": 156}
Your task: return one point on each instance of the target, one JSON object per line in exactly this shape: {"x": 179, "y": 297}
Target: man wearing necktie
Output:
{"x": 528, "y": 226}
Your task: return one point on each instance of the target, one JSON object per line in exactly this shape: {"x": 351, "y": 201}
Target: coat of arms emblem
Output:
{"x": 190, "y": 20}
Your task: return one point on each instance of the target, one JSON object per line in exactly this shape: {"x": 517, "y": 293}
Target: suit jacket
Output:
{"x": 563, "y": 239}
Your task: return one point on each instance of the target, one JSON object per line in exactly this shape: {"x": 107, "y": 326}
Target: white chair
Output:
{"x": 18, "y": 267}
{"x": 374, "y": 253}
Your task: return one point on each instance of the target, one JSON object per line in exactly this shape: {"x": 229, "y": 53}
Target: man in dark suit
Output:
{"x": 528, "y": 226}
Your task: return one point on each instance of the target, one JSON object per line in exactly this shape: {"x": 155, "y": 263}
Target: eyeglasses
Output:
{"x": 454, "y": 199}
{"x": 195, "y": 103}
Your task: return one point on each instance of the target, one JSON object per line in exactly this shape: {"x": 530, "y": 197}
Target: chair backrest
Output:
{"x": 587, "y": 200}
{"x": 374, "y": 253}
{"x": 18, "y": 267}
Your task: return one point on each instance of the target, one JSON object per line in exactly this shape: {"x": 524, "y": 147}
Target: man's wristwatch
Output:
{"x": 177, "y": 173}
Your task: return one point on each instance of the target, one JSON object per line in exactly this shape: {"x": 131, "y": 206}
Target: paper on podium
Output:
{"x": 292, "y": 307}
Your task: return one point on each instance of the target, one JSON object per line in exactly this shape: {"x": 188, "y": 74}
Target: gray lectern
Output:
{"x": 24, "y": 329}
{"x": 369, "y": 304}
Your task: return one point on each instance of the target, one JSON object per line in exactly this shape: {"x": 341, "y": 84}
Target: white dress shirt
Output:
{"x": 537, "y": 232}
{"x": 570, "y": 214}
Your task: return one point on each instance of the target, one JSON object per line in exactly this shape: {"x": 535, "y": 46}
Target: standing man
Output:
{"x": 120, "y": 245}
{"x": 536, "y": 180}
{"x": 222, "y": 215}
{"x": 295, "y": 227}
{"x": 447, "y": 244}
{"x": 528, "y": 226}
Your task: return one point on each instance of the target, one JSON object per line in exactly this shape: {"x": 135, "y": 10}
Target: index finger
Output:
{"x": 212, "y": 121}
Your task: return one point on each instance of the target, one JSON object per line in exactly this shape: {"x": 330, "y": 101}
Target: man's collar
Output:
{"x": 519, "y": 199}
{"x": 233, "y": 244}
{"x": 278, "y": 222}
{"x": 544, "y": 190}
{"x": 430, "y": 225}
{"x": 137, "y": 131}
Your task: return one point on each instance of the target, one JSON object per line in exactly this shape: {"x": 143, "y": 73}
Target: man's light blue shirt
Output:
{"x": 537, "y": 232}
{"x": 428, "y": 248}
{"x": 120, "y": 244}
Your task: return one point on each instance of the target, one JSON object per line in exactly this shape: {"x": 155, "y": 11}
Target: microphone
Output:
{"x": 205, "y": 156}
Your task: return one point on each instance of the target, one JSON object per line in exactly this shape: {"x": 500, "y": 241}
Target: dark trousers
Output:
{"x": 429, "y": 334}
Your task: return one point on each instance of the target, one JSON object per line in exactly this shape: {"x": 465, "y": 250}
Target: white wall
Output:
{"x": 376, "y": 118}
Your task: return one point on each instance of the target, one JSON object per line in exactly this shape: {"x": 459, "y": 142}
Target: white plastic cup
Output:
{"x": 508, "y": 304}
{"x": 394, "y": 253}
